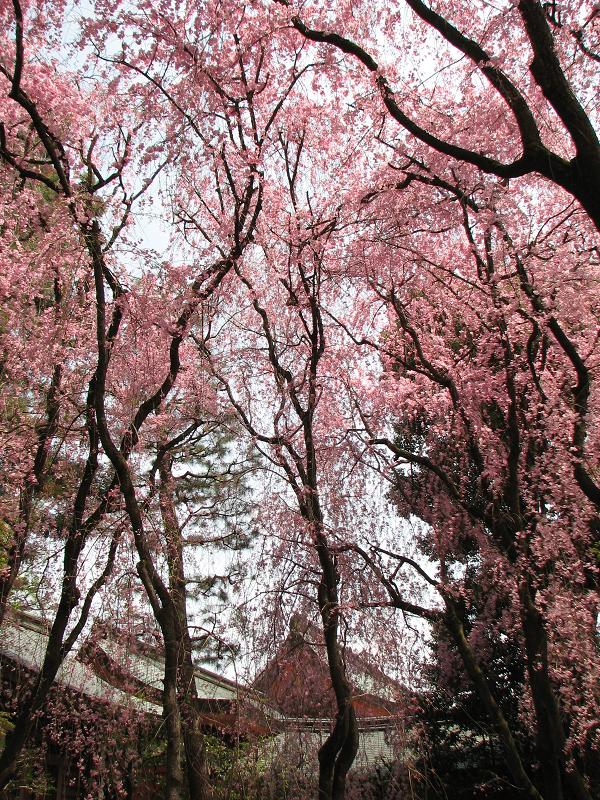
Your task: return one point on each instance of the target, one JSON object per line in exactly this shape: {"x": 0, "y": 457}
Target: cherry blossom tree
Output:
{"x": 280, "y": 354}
{"x": 44, "y": 154}
{"x": 540, "y": 119}
{"x": 407, "y": 289}
{"x": 55, "y": 155}
{"x": 227, "y": 135}
{"x": 487, "y": 458}
{"x": 477, "y": 379}
{"x": 221, "y": 95}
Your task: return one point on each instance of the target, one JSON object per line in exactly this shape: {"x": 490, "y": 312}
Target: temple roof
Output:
{"x": 297, "y": 679}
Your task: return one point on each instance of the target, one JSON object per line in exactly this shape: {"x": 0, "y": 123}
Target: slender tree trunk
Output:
{"x": 338, "y": 752}
{"x": 60, "y": 644}
{"x": 159, "y": 594}
{"x": 195, "y": 759}
{"x": 482, "y": 687}
{"x": 187, "y": 696}
{"x": 58, "y": 647}
{"x": 175, "y": 782}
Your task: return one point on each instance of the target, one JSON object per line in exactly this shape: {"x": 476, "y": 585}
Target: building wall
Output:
{"x": 299, "y": 743}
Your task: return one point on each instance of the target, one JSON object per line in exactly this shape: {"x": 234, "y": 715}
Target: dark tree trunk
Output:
{"x": 560, "y": 778}
{"x": 187, "y": 696}
{"x": 174, "y": 779}
{"x": 514, "y": 763}
{"x": 338, "y": 752}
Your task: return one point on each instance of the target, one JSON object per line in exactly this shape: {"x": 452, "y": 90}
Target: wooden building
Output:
{"x": 286, "y": 714}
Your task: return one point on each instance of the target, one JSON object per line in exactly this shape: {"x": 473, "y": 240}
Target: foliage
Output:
{"x": 369, "y": 235}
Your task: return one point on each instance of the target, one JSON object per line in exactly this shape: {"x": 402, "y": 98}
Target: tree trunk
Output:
{"x": 187, "y": 696}
{"x": 174, "y": 780}
{"x": 337, "y": 754}
{"x": 560, "y": 778}
{"x": 195, "y": 760}
{"x": 482, "y": 687}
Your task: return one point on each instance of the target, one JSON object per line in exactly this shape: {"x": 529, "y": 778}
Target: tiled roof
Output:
{"x": 23, "y": 641}
{"x": 297, "y": 680}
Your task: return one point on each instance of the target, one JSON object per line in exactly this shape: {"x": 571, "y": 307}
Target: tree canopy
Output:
{"x": 327, "y": 275}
